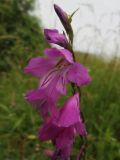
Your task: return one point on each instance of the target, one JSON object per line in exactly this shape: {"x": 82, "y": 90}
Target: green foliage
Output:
{"x": 21, "y": 38}
{"x": 20, "y": 32}
{"x": 100, "y": 103}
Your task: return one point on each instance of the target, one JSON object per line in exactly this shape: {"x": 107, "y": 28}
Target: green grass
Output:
{"x": 100, "y": 103}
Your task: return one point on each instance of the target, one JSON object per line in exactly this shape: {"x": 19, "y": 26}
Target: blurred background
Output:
{"x": 97, "y": 44}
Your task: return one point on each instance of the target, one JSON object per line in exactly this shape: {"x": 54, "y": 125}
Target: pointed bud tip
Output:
{"x": 55, "y": 5}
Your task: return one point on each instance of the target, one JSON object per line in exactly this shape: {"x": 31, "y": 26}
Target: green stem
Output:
{"x": 75, "y": 89}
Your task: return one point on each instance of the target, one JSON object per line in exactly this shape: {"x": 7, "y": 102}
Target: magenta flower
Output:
{"x": 62, "y": 127}
{"x": 53, "y": 36}
{"x": 39, "y": 66}
{"x": 55, "y": 71}
{"x": 44, "y": 104}
{"x": 63, "y": 18}
{"x": 65, "y": 71}
{"x": 58, "y": 71}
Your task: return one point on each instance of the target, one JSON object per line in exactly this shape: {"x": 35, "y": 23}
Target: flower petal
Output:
{"x": 62, "y": 154}
{"x": 80, "y": 128}
{"x": 65, "y": 138}
{"x": 70, "y": 113}
{"x": 78, "y": 74}
{"x": 61, "y": 84}
{"x": 59, "y": 53}
{"x": 42, "y": 103}
{"x": 49, "y": 131}
{"x": 54, "y": 82}
{"x": 39, "y": 66}
{"x": 53, "y": 36}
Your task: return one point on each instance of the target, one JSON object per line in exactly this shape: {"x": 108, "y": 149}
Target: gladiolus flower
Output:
{"x": 58, "y": 71}
{"x": 55, "y": 71}
{"x": 53, "y": 36}
{"x": 62, "y": 127}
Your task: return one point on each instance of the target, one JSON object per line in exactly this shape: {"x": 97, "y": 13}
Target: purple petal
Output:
{"x": 39, "y": 66}
{"x": 55, "y": 82}
{"x": 49, "y": 82}
{"x": 49, "y": 131}
{"x": 53, "y": 36}
{"x": 80, "y": 128}
{"x": 62, "y": 154}
{"x": 49, "y": 32}
{"x": 41, "y": 102}
{"x": 78, "y": 74}
{"x": 65, "y": 138}
{"x": 34, "y": 95}
{"x": 60, "y": 53}
{"x": 70, "y": 113}
{"x": 66, "y": 151}
{"x": 61, "y": 83}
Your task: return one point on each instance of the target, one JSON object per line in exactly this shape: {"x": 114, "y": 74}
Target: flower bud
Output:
{"x": 64, "y": 18}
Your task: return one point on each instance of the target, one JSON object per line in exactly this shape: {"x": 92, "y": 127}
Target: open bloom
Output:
{"x": 53, "y": 36}
{"x": 57, "y": 70}
{"x": 62, "y": 127}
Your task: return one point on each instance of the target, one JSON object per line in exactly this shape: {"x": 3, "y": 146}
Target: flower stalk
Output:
{"x": 55, "y": 71}
{"x": 76, "y": 89}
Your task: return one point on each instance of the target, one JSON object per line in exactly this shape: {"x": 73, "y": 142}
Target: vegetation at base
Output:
{"x": 100, "y": 103}
{"x": 20, "y": 39}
